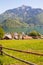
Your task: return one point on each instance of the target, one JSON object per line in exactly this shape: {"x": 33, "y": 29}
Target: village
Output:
{"x": 21, "y": 36}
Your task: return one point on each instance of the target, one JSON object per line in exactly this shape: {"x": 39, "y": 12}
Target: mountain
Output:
{"x": 24, "y": 16}
{"x": 24, "y": 13}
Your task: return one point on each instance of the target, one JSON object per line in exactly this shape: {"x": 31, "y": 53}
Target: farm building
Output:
{"x": 41, "y": 37}
{"x": 20, "y": 36}
{"x": 16, "y": 35}
{"x": 7, "y": 36}
{"x": 35, "y": 37}
{"x": 26, "y": 37}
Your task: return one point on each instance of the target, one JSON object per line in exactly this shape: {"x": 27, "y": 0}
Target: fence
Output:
{"x": 2, "y": 52}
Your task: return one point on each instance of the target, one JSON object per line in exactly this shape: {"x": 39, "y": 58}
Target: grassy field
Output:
{"x": 28, "y": 45}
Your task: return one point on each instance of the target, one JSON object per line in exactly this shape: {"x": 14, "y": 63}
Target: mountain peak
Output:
{"x": 25, "y": 6}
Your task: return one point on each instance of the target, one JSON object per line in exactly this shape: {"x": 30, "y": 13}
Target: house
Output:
{"x": 23, "y": 34}
{"x": 20, "y": 36}
{"x": 7, "y": 36}
{"x": 35, "y": 37}
{"x": 41, "y": 37}
{"x": 26, "y": 37}
{"x": 16, "y": 35}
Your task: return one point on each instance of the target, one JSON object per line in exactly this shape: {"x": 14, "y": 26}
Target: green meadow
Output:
{"x": 35, "y": 45}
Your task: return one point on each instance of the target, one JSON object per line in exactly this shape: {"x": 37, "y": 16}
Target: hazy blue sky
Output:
{"x": 10, "y": 4}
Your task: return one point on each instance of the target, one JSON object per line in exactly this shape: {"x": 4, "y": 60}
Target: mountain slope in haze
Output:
{"x": 12, "y": 25}
{"x": 24, "y": 13}
{"x": 36, "y": 20}
{"x": 22, "y": 17}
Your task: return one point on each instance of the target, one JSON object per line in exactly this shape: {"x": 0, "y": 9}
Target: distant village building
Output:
{"x": 7, "y": 36}
{"x": 26, "y": 37}
{"x": 36, "y": 37}
{"x": 23, "y": 34}
{"x": 20, "y": 36}
{"x": 41, "y": 37}
{"x": 16, "y": 35}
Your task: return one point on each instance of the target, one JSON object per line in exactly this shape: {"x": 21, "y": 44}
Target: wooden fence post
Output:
{"x": 1, "y": 53}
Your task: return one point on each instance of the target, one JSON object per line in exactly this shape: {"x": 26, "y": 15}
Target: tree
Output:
{"x": 1, "y": 32}
{"x": 34, "y": 33}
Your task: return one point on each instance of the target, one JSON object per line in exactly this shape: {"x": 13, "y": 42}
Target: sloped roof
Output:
{"x": 15, "y": 33}
{"x": 8, "y": 35}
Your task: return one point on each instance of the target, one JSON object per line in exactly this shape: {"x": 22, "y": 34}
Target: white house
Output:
{"x": 15, "y": 35}
{"x": 7, "y": 36}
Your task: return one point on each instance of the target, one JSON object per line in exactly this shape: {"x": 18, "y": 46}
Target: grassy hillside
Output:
{"x": 10, "y": 25}
{"x": 13, "y": 23}
{"x": 28, "y": 45}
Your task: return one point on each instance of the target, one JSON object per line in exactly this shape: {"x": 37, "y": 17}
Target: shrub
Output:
{"x": 34, "y": 33}
{"x": 1, "y": 33}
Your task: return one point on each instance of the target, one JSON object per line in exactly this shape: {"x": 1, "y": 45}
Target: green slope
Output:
{"x": 11, "y": 25}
